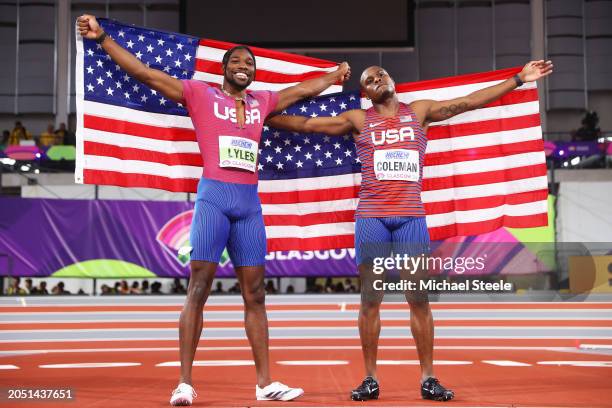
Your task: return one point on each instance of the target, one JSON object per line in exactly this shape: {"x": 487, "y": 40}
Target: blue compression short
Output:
{"x": 228, "y": 215}
{"x": 379, "y": 237}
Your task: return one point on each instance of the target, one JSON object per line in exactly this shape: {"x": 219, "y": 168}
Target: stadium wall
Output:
{"x": 584, "y": 212}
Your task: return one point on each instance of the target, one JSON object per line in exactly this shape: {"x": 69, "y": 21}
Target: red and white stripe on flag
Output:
{"x": 121, "y": 146}
{"x": 275, "y": 70}
{"x": 484, "y": 169}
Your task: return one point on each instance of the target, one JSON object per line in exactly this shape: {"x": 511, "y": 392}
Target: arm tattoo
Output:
{"x": 454, "y": 109}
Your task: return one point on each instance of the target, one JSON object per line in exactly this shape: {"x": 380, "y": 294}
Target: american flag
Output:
{"x": 308, "y": 184}
{"x": 484, "y": 169}
{"x": 130, "y": 135}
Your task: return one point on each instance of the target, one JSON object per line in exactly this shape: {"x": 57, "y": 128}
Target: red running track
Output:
{"x": 574, "y": 379}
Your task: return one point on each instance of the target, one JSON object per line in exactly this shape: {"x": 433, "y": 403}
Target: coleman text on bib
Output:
{"x": 396, "y": 164}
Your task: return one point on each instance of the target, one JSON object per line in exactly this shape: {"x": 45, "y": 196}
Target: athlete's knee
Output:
{"x": 197, "y": 294}
{"x": 419, "y": 302}
{"x": 200, "y": 283}
{"x": 254, "y": 294}
{"x": 370, "y": 303}
{"x": 370, "y": 298}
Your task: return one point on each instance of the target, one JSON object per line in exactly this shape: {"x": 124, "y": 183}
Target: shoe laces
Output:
{"x": 365, "y": 385}
{"x": 185, "y": 388}
{"x": 435, "y": 387}
{"x": 281, "y": 385}
{"x": 277, "y": 386}
{"x": 431, "y": 383}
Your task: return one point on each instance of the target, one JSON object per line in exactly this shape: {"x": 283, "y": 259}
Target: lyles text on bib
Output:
{"x": 238, "y": 152}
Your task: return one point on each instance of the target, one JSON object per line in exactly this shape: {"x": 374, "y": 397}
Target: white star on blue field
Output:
{"x": 106, "y": 82}
{"x": 288, "y": 155}
{"x": 283, "y": 155}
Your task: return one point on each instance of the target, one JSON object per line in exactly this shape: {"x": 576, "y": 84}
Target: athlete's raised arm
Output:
{"x": 311, "y": 87}
{"x": 434, "y": 111}
{"x": 346, "y": 122}
{"x": 160, "y": 81}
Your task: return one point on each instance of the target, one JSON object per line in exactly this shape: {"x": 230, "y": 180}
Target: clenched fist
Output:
{"x": 344, "y": 70}
{"x": 88, "y": 27}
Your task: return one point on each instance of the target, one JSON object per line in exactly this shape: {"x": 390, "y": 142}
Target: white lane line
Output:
{"x": 309, "y": 328}
{"x": 179, "y": 304}
{"x": 294, "y": 319}
{"x": 312, "y": 362}
{"x": 596, "y": 346}
{"x": 311, "y": 299}
{"x": 247, "y": 348}
{"x": 585, "y": 363}
{"x": 8, "y": 367}
{"x": 210, "y": 363}
{"x": 89, "y": 365}
{"x": 416, "y": 362}
{"x": 127, "y": 307}
{"x": 506, "y": 363}
{"x": 331, "y": 308}
{"x": 229, "y": 363}
{"x": 355, "y": 337}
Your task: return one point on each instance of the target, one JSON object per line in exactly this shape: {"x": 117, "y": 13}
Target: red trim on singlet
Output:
{"x": 389, "y": 198}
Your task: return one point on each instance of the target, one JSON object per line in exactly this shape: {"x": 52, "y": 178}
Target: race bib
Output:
{"x": 238, "y": 152}
{"x": 396, "y": 164}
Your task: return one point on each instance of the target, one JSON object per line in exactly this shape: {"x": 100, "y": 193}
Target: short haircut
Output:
{"x": 229, "y": 53}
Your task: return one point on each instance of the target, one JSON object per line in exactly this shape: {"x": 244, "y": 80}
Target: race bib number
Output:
{"x": 396, "y": 164}
{"x": 237, "y": 152}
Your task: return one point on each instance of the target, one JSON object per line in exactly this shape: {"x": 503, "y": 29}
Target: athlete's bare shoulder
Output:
{"x": 420, "y": 108}
{"x": 356, "y": 117}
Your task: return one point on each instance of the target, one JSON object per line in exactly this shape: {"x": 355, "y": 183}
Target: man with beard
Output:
{"x": 228, "y": 122}
{"x": 390, "y": 138}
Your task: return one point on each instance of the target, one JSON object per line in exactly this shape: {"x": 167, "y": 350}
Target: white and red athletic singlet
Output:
{"x": 392, "y": 152}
